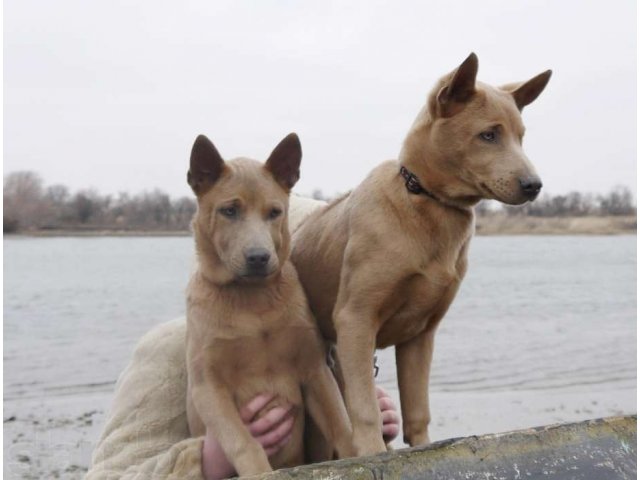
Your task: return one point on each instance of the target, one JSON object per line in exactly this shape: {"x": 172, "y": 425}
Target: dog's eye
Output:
{"x": 490, "y": 136}
{"x": 229, "y": 212}
{"x": 275, "y": 213}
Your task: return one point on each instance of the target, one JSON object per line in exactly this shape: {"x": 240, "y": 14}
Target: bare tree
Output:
{"x": 618, "y": 202}
{"x": 159, "y": 206}
{"x": 183, "y": 210}
{"x": 23, "y": 203}
{"x": 57, "y": 194}
{"x": 83, "y": 207}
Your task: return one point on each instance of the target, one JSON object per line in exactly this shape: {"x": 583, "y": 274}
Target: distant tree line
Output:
{"x": 619, "y": 201}
{"x": 31, "y": 205}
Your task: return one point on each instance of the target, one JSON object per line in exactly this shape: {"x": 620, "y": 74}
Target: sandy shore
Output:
{"x": 54, "y": 437}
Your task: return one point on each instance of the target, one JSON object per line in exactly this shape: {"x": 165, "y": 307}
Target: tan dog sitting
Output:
{"x": 381, "y": 265}
{"x": 249, "y": 327}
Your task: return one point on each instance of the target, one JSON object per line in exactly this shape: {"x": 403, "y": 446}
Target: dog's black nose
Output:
{"x": 257, "y": 258}
{"x": 531, "y": 187}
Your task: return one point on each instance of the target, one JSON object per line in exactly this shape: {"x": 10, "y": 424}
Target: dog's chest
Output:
{"x": 422, "y": 298}
{"x": 269, "y": 358}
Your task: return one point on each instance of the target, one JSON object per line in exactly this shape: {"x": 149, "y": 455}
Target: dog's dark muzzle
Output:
{"x": 530, "y": 187}
{"x": 257, "y": 262}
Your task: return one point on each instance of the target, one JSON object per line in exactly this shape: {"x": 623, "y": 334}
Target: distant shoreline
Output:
{"x": 500, "y": 224}
{"x": 101, "y": 233}
{"x": 492, "y": 224}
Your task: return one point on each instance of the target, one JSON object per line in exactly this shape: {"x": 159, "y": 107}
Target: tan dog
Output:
{"x": 382, "y": 264}
{"x": 249, "y": 327}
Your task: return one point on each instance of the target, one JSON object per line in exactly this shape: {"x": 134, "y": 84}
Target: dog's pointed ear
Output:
{"x": 284, "y": 161}
{"x": 205, "y": 167}
{"x": 526, "y": 92}
{"x": 460, "y": 87}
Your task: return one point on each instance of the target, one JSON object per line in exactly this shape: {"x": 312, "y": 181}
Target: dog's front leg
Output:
{"x": 413, "y": 364}
{"x": 356, "y": 344}
{"x": 219, "y": 413}
{"x": 325, "y": 405}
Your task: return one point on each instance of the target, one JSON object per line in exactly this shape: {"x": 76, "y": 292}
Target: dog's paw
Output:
{"x": 365, "y": 449}
{"x": 417, "y": 439}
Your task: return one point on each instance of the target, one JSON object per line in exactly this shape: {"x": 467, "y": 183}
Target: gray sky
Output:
{"x": 111, "y": 94}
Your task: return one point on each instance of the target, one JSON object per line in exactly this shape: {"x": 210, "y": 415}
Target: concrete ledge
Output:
{"x": 595, "y": 449}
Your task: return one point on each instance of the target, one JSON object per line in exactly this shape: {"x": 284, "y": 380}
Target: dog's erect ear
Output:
{"x": 460, "y": 88}
{"x": 205, "y": 166}
{"x": 526, "y": 92}
{"x": 284, "y": 161}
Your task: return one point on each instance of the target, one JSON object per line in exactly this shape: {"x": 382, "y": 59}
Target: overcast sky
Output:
{"x": 111, "y": 94}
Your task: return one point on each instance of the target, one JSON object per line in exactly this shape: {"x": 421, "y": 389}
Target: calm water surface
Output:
{"x": 533, "y": 313}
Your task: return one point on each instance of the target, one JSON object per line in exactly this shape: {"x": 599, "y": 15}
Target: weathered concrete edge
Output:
{"x": 607, "y": 443}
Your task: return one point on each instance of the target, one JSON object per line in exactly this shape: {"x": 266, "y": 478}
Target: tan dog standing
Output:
{"x": 249, "y": 327}
{"x": 381, "y": 265}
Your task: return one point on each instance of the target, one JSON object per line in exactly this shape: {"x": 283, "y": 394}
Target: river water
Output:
{"x": 533, "y": 312}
